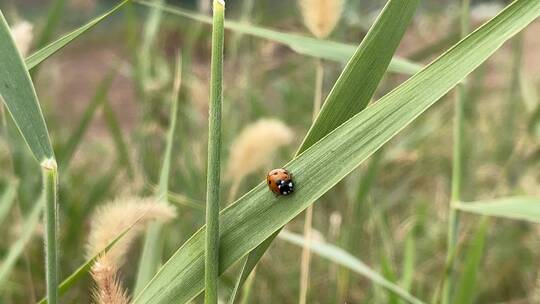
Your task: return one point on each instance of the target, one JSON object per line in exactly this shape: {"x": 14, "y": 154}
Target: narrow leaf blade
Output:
{"x": 255, "y": 216}
{"x": 324, "y": 49}
{"x": 518, "y": 208}
{"x": 372, "y": 57}
{"x": 50, "y": 49}
{"x": 19, "y": 95}
{"x": 345, "y": 259}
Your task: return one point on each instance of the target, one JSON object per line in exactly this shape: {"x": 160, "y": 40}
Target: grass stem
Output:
{"x": 50, "y": 184}
{"x": 308, "y": 220}
{"x": 211, "y": 258}
{"x": 457, "y": 170}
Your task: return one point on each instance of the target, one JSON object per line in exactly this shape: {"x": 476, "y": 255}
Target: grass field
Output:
{"x": 411, "y": 129}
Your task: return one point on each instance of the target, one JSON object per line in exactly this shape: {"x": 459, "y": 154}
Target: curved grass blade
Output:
{"x": 372, "y": 57}
{"x": 345, "y": 259}
{"x": 51, "y": 24}
{"x": 19, "y": 95}
{"x": 304, "y": 45}
{"x": 50, "y": 49}
{"x": 517, "y": 208}
{"x": 53, "y": 16}
{"x": 258, "y": 214}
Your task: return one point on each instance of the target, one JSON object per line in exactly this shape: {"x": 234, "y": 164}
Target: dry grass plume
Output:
{"x": 108, "y": 222}
{"x": 22, "y": 32}
{"x": 321, "y": 16}
{"x": 254, "y": 146}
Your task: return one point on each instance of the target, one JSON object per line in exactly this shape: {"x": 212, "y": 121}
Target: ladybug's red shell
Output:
{"x": 280, "y": 181}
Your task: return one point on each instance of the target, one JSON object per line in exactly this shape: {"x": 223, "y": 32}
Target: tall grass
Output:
{"x": 211, "y": 252}
{"x": 50, "y": 184}
{"x": 390, "y": 246}
{"x": 457, "y": 171}
{"x": 20, "y": 98}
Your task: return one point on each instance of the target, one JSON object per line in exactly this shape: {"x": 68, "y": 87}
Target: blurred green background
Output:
{"x": 401, "y": 194}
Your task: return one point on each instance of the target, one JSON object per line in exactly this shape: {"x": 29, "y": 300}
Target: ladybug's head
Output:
{"x": 285, "y": 187}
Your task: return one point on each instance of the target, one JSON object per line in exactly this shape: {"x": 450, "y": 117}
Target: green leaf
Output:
{"x": 258, "y": 214}
{"x": 19, "y": 95}
{"x": 372, "y": 57}
{"x": 346, "y": 100}
{"x": 345, "y": 259}
{"x": 517, "y": 208}
{"x": 51, "y": 24}
{"x": 53, "y": 17}
{"x": 16, "y": 249}
{"x": 466, "y": 289}
{"x": 49, "y": 50}
{"x": 324, "y": 49}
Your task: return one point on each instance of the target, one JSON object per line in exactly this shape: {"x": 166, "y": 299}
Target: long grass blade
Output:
{"x": 50, "y": 49}
{"x": 19, "y": 95}
{"x": 51, "y": 24}
{"x": 258, "y": 214}
{"x": 458, "y": 151}
{"x": 372, "y": 57}
{"x": 345, "y": 259}
{"x": 324, "y": 49}
{"x": 517, "y": 208}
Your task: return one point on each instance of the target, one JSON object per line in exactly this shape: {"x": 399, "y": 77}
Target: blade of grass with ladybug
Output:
{"x": 334, "y": 147}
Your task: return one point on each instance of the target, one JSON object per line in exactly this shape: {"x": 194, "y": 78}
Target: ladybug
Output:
{"x": 280, "y": 181}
